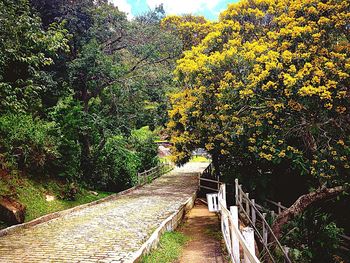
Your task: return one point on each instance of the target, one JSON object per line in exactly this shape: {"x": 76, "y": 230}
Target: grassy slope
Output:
{"x": 33, "y": 195}
{"x": 169, "y": 249}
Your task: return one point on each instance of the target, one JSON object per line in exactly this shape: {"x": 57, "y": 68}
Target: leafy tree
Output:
{"x": 142, "y": 141}
{"x": 25, "y": 50}
{"x": 189, "y": 28}
{"x": 267, "y": 91}
{"x": 81, "y": 80}
{"x": 26, "y": 143}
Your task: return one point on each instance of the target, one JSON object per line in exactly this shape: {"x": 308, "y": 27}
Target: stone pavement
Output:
{"x": 107, "y": 232}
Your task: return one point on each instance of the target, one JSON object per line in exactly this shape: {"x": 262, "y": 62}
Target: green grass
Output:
{"x": 199, "y": 159}
{"x": 169, "y": 249}
{"x": 32, "y": 194}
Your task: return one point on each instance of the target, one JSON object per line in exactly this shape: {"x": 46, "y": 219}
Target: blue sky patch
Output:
{"x": 208, "y": 8}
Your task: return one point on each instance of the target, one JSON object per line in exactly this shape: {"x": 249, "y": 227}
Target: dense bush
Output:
{"x": 313, "y": 237}
{"x": 27, "y": 143}
{"x": 69, "y": 121}
{"x": 142, "y": 141}
{"x": 116, "y": 166}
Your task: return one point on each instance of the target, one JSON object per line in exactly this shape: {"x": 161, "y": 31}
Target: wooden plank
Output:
{"x": 208, "y": 180}
{"x": 208, "y": 188}
{"x": 234, "y": 240}
{"x": 248, "y": 234}
{"x": 279, "y": 205}
{"x": 239, "y": 236}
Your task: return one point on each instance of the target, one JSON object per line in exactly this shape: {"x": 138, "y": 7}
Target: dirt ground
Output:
{"x": 203, "y": 229}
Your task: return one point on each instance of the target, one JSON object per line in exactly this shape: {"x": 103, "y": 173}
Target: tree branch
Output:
{"x": 301, "y": 204}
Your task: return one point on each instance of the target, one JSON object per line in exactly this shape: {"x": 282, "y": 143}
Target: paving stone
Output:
{"x": 111, "y": 231}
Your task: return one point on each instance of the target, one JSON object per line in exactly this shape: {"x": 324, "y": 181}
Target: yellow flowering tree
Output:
{"x": 189, "y": 28}
{"x": 267, "y": 90}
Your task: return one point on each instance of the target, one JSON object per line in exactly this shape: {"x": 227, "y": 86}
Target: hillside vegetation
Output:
{"x": 82, "y": 90}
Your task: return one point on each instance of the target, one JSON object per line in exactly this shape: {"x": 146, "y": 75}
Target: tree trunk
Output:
{"x": 84, "y": 138}
{"x": 301, "y": 204}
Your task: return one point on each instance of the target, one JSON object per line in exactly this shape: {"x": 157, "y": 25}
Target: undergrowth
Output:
{"x": 169, "y": 248}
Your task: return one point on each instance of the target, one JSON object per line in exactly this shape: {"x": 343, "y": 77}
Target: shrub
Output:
{"x": 142, "y": 141}
{"x": 27, "y": 142}
{"x": 116, "y": 166}
{"x": 313, "y": 237}
{"x": 68, "y": 116}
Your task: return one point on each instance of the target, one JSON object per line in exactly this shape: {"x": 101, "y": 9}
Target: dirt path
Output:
{"x": 203, "y": 228}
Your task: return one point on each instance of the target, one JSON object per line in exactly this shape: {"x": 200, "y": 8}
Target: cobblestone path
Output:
{"x": 107, "y": 232}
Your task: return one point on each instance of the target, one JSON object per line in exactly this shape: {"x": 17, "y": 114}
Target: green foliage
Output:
{"x": 142, "y": 141}
{"x": 68, "y": 117}
{"x": 25, "y": 49}
{"x": 77, "y": 81}
{"x": 26, "y": 142}
{"x": 116, "y": 166}
{"x": 169, "y": 250}
{"x": 313, "y": 237}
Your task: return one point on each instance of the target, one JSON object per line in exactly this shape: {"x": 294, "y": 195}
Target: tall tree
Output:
{"x": 267, "y": 91}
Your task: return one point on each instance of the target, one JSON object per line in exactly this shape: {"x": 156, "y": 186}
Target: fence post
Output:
{"x": 224, "y": 194}
{"x": 264, "y": 229}
{"x": 218, "y": 182}
{"x": 240, "y": 195}
{"x": 253, "y": 212}
{"x": 138, "y": 179}
{"x": 234, "y": 239}
{"x": 273, "y": 215}
{"x": 236, "y": 191}
{"x": 247, "y": 205}
{"x": 286, "y": 251}
{"x": 279, "y": 207}
{"x": 248, "y": 234}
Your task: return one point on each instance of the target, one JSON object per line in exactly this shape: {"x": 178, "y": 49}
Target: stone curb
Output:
{"x": 48, "y": 217}
{"x": 168, "y": 224}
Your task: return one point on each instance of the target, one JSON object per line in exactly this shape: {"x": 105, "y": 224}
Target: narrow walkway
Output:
{"x": 203, "y": 228}
{"x": 108, "y": 232}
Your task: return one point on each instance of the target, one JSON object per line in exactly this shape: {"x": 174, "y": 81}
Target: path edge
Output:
{"x": 169, "y": 224}
{"x": 54, "y": 215}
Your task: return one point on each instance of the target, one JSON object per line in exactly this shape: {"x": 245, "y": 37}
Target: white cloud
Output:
{"x": 184, "y": 6}
{"x": 124, "y": 6}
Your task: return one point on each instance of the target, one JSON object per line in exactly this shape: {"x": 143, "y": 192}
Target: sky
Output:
{"x": 208, "y": 8}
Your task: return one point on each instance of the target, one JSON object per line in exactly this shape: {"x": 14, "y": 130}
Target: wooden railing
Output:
{"x": 209, "y": 180}
{"x": 153, "y": 173}
{"x": 233, "y": 237}
{"x": 256, "y": 217}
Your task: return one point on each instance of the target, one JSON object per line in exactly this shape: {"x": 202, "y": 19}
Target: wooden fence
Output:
{"x": 209, "y": 180}
{"x": 233, "y": 237}
{"x": 255, "y": 215}
{"x": 153, "y": 173}
{"x": 251, "y": 213}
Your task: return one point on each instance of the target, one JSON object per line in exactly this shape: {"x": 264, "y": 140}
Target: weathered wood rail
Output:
{"x": 252, "y": 214}
{"x": 234, "y": 238}
{"x": 257, "y": 216}
{"x": 153, "y": 173}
